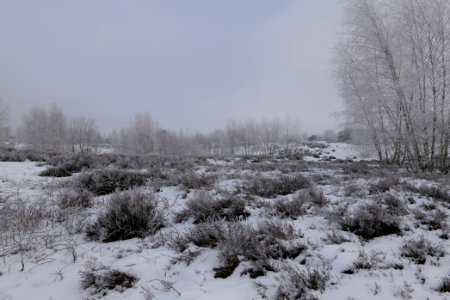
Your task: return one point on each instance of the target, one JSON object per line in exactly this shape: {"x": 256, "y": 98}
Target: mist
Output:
{"x": 191, "y": 66}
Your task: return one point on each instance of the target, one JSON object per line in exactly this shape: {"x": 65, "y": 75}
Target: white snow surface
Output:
{"x": 52, "y": 273}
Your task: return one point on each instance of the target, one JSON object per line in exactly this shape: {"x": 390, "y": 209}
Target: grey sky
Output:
{"x": 191, "y": 64}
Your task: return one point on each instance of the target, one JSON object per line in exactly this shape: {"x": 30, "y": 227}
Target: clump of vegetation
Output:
{"x": 366, "y": 261}
{"x": 383, "y": 185}
{"x": 60, "y": 171}
{"x": 297, "y": 284}
{"x": 207, "y": 235}
{"x": 257, "y": 245}
{"x": 314, "y": 196}
{"x": 66, "y": 166}
{"x": 100, "y": 279}
{"x": 444, "y": 286}
{"x": 74, "y": 198}
{"x": 297, "y": 206}
{"x": 356, "y": 168}
{"x": 273, "y": 187}
{"x": 289, "y": 208}
{"x": 127, "y": 215}
{"x": 395, "y": 205}
{"x": 203, "y": 207}
{"x": 193, "y": 181}
{"x": 418, "y": 250}
{"x": 107, "y": 181}
{"x": 370, "y": 221}
{"x": 237, "y": 241}
{"x": 353, "y": 189}
{"x": 436, "y": 219}
{"x": 438, "y": 193}
{"x": 20, "y": 155}
{"x": 335, "y": 237}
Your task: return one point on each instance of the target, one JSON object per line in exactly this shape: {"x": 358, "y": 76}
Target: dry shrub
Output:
{"x": 127, "y": 215}
{"x": 107, "y": 181}
{"x": 273, "y": 187}
{"x": 203, "y": 207}
{"x": 100, "y": 279}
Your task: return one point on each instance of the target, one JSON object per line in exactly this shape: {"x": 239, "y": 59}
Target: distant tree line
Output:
{"x": 49, "y": 130}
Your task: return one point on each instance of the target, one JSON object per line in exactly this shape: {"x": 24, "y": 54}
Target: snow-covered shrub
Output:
{"x": 273, "y": 187}
{"x": 100, "y": 279}
{"x": 439, "y": 193}
{"x": 237, "y": 241}
{"x": 297, "y": 206}
{"x": 74, "y": 198}
{"x": 297, "y": 284}
{"x": 20, "y": 155}
{"x": 193, "y": 181}
{"x": 23, "y": 228}
{"x": 356, "y": 168}
{"x": 370, "y": 221}
{"x": 366, "y": 261}
{"x": 419, "y": 249}
{"x": 127, "y": 215}
{"x": 289, "y": 208}
{"x": 107, "y": 181}
{"x": 384, "y": 184}
{"x": 436, "y": 219}
{"x": 207, "y": 234}
{"x": 60, "y": 171}
{"x": 64, "y": 166}
{"x": 335, "y": 237}
{"x": 314, "y": 196}
{"x": 353, "y": 189}
{"x": 444, "y": 286}
{"x": 269, "y": 240}
{"x": 395, "y": 205}
{"x": 203, "y": 207}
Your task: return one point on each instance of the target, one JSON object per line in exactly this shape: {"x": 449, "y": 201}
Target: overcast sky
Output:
{"x": 192, "y": 65}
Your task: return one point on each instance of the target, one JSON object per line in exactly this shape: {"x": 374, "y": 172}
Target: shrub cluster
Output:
{"x": 418, "y": 250}
{"x": 193, "y": 181}
{"x": 20, "y": 155}
{"x": 273, "y": 187}
{"x": 236, "y": 242}
{"x": 436, "y": 219}
{"x": 74, "y": 198}
{"x": 383, "y": 185}
{"x": 370, "y": 221}
{"x": 289, "y": 208}
{"x": 395, "y": 205}
{"x": 127, "y": 215}
{"x": 435, "y": 192}
{"x": 203, "y": 207}
{"x": 107, "y": 181}
{"x": 100, "y": 279}
{"x": 444, "y": 286}
{"x": 297, "y": 284}
{"x": 68, "y": 165}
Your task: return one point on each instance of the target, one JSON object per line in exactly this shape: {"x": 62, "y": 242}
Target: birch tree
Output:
{"x": 391, "y": 69}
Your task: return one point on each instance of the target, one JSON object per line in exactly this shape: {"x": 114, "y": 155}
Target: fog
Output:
{"x": 192, "y": 65}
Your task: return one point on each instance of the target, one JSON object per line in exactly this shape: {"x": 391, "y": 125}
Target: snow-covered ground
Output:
{"x": 52, "y": 269}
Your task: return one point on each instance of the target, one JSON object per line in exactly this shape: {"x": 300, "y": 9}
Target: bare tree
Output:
{"x": 83, "y": 134}
{"x": 391, "y": 69}
{"x": 44, "y": 130}
{"x": 4, "y": 133}
{"x": 140, "y": 137}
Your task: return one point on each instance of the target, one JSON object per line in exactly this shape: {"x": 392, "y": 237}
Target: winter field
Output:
{"x": 313, "y": 222}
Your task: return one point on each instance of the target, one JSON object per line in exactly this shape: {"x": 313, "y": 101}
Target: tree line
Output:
{"x": 49, "y": 130}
